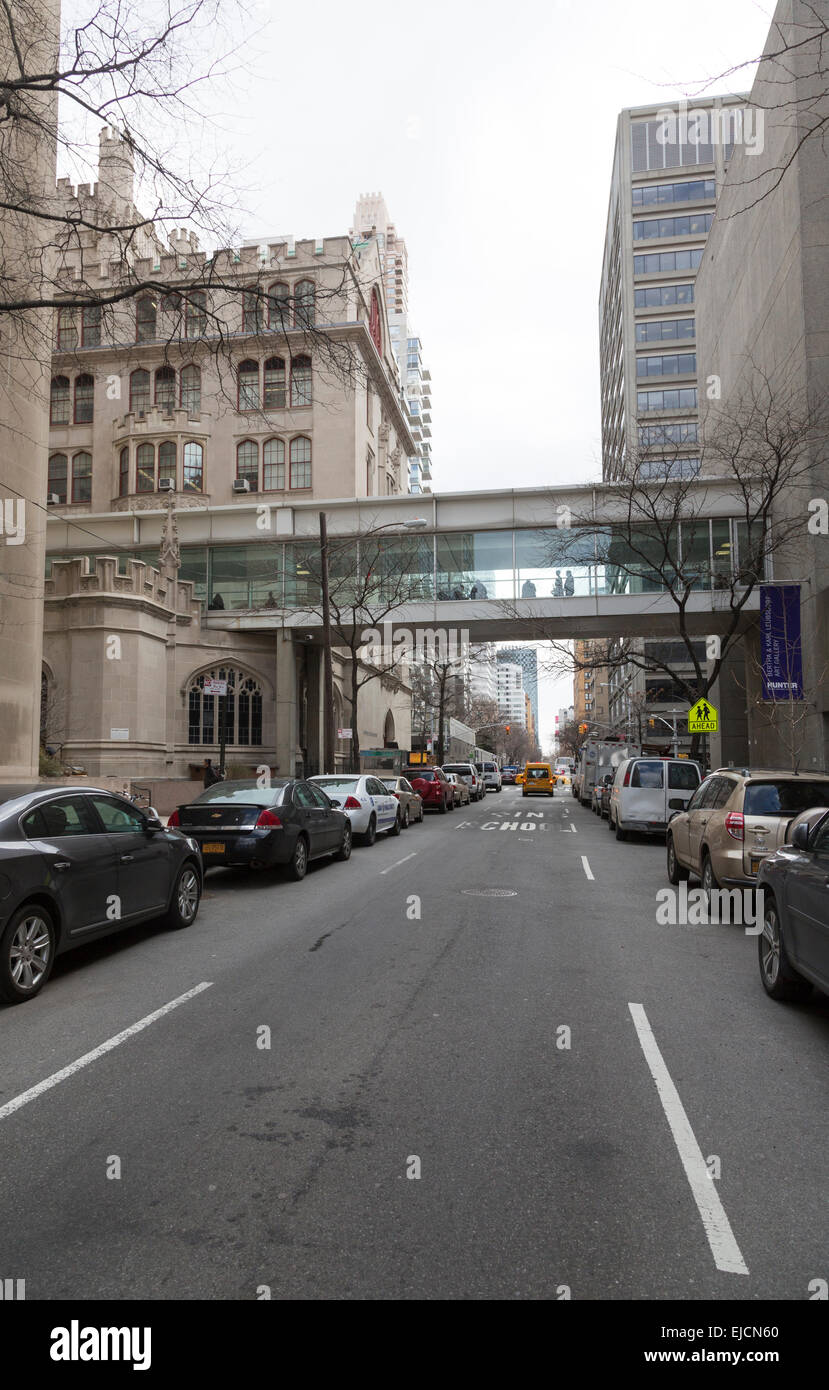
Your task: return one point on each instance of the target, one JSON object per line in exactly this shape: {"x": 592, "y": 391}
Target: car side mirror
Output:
{"x": 800, "y": 837}
{"x": 154, "y": 821}
{"x": 338, "y": 804}
{"x": 676, "y": 804}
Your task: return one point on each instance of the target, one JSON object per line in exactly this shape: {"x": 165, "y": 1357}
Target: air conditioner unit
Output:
{"x": 166, "y": 485}
{"x": 241, "y": 485}
{"x": 53, "y": 500}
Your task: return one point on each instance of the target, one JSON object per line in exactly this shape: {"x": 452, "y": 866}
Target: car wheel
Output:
{"x": 344, "y": 852}
{"x": 298, "y": 866}
{"x": 406, "y": 819}
{"x": 443, "y": 806}
{"x": 676, "y": 872}
{"x": 708, "y": 878}
{"x": 27, "y": 954}
{"x": 371, "y": 834}
{"x": 422, "y": 815}
{"x": 620, "y": 833}
{"x": 780, "y": 979}
{"x": 398, "y": 824}
{"x": 184, "y": 904}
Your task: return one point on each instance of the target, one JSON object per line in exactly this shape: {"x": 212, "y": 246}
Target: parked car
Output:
{"x": 287, "y": 823}
{"x": 460, "y": 790}
{"x": 647, "y": 792}
{"x": 367, "y": 802}
{"x": 468, "y": 773}
{"x": 539, "y": 780}
{"x": 508, "y": 776}
{"x": 735, "y": 818}
{"x": 431, "y": 784}
{"x": 793, "y": 948}
{"x": 491, "y": 774}
{"x": 411, "y": 803}
{"x": 80, "y": 863}
{"x": 600, "y": 795}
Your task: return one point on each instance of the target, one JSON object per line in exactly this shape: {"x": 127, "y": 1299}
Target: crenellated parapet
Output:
{"x": 75, "y": 579}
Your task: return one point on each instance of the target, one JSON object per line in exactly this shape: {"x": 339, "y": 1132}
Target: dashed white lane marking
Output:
{"x": 585, "y": 865}
{"x": 88, "y": 1057}
{"x": 400, "y": 861}
{"x": 724, "y": 1248}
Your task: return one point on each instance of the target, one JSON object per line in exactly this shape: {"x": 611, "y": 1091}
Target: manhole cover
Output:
{"x": 491, "y": 892}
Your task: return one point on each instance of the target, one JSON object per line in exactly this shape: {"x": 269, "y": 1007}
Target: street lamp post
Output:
{"x": 416, "y": 523}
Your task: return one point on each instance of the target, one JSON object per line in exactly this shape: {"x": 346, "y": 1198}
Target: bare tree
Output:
{"x": 768, "y": 446}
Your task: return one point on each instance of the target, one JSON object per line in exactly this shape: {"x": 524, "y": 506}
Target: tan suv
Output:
{"x": 735, "y": 818}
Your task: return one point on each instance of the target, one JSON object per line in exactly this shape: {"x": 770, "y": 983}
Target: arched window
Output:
{"x": 301, "y": 381}
{"x": 248, "y": 385}
{"x": 139, "y": 390}
{"x": 279, "y": 312}
{"x": 388, "y": 730}
{"x": 145, "y": 468}
{"x": 253, "y": 311}
{"x": 190, "y": 381}
{"x": 167, "y": 461}
{"x": 247, "y": 462}
{"x": 91, "y": 326}
{"x": 193, "y": 467}
{"x": 165, "y": 387}
{"x": 67, "y": 336}
{"x": 243, "y": 709}
{"x": 195, "y": 314}
{"x": 82, "y": 477}
{"x": 145, "y": 317}
{"x": 124, "y": 473}
{"x": 273, "y": 456}
{"x": 274, "y": 397}
{"x": 57, "y": 476}
{"x": 59, "y": 401}
{"x": 304, "y": 304}
{"x": 300, "y": 462}
{"x": 84, "y": 399}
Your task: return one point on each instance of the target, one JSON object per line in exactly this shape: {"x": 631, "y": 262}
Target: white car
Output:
{"x": 369, "y": 805}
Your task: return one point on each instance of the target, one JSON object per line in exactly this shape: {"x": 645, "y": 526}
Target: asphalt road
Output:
{"x": 418, "y": 1023}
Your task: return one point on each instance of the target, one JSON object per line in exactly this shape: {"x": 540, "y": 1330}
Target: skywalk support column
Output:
{"x": 27, "y": 181}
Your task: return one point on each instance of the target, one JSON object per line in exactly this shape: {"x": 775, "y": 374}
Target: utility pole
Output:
{"x": 328, "y": 670}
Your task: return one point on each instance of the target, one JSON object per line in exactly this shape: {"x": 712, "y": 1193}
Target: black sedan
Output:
{"x": 78, "y": 863}
{"x": 287, "y": 822}
{"x": 794, "y": 944}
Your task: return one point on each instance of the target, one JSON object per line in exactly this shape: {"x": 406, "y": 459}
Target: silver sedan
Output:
{"x": 411, "y": 803}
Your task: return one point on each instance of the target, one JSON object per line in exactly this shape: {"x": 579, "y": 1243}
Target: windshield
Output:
{"x": 243, "y": 794}
{"x": 784, "y": 798}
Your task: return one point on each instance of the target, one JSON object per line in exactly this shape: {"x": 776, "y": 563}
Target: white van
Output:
{"x": 647, "y": 792}
{"x": 491, "y": 774}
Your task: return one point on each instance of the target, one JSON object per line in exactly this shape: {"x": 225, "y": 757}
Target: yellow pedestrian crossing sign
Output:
{"x": 703, "y": 718}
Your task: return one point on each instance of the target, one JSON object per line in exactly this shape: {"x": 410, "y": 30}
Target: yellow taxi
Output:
{"x": 538, "y": 779}
{"x": 519, "y": 778}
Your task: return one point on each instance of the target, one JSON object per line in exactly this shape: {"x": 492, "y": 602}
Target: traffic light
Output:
{"x": 582, "y": 728}
{"x": 651, "y": 723}
{"x": 507, "y": 727}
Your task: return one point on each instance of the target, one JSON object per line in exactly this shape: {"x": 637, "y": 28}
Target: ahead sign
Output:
{"x": 703, "y": 718}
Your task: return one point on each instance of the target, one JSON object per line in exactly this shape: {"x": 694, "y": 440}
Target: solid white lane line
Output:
{"x": 81, "y": 1062}
{"x": 586, "y": 867}
{"x": 399, "y": 862}
{"x": 724, "y": 1248}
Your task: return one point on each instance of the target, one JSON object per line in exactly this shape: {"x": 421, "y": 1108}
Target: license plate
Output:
{"x": 212, "y": 848}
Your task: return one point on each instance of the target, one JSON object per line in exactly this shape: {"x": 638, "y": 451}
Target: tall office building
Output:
{"x": 527, "y": 659}
{"x": 591, "y": 684}
{"x": 511, "y": 706}
{"x": 666, "y": 174}
{"x": 371, "y": 219}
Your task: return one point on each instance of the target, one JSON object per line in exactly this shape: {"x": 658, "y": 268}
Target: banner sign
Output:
{"x": 780, "y": 650}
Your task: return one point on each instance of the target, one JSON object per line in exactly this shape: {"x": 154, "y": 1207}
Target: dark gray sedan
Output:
{"x": 794, "y": 945}
{"x": 77, "y": 863}
{"x": 288, "y": 821}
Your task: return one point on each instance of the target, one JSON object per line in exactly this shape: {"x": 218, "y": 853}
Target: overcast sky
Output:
{"x": 489, "y": 128}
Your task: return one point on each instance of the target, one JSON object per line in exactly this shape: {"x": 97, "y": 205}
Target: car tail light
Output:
{"x": 628, "y": 771}
{"x": 175, "y": 819}
{"x": 267, "y": 819}
{"x": 735, "y": 825}
{"x": 351, "y": 804}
